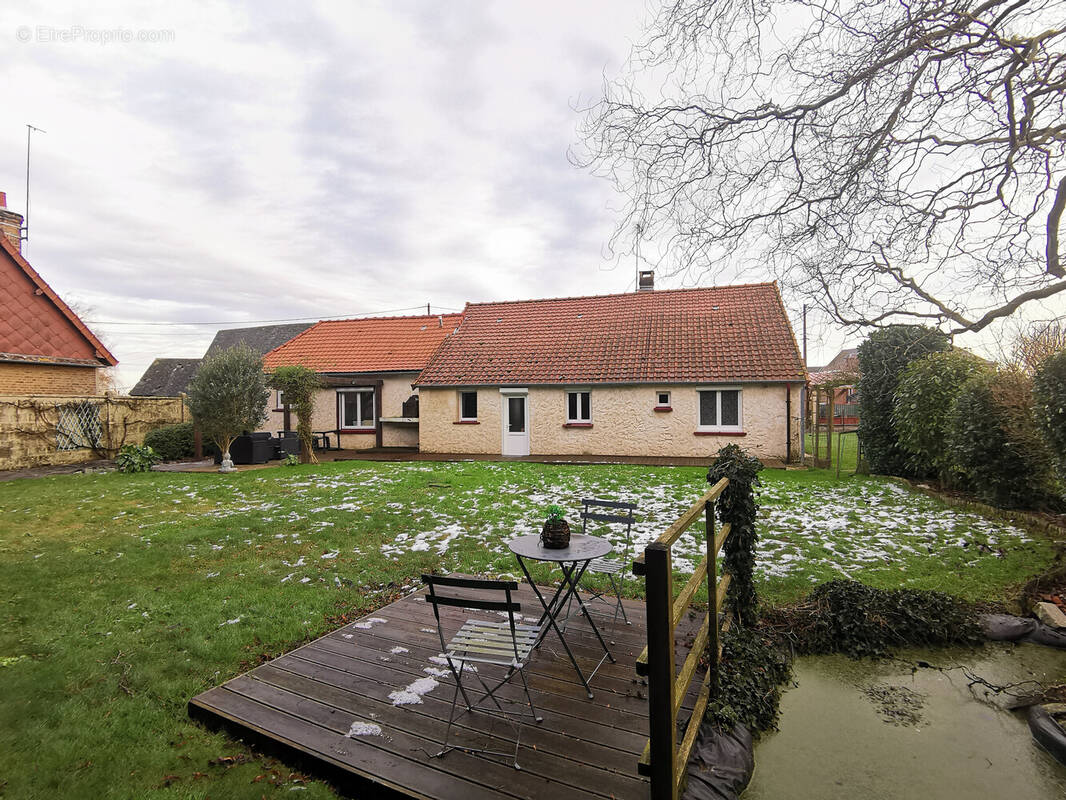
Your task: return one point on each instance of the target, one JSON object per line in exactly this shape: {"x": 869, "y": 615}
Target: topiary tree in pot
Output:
{"x": 227, "y": 396}
{"x": 299, "y": 385}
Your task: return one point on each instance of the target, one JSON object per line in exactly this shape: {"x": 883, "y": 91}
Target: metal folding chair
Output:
{"x": 614, "y": 569}
{"x": 505, "y": 644}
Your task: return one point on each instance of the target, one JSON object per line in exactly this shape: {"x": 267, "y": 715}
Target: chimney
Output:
{"x": 645, "y": 280}
{"x": 10, "y": 223}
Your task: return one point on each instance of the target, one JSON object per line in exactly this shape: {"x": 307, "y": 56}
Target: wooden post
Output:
{"x": 817, "y": 424}
{"x": 661, "y": 673}
{"x": 712, "y": 603}
{"x": 829, "y": 427}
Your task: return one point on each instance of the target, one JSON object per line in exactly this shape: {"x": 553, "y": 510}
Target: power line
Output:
{"x": 265, "y": 321}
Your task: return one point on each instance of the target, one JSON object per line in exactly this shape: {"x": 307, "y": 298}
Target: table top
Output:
{"x": 582, "y": 548}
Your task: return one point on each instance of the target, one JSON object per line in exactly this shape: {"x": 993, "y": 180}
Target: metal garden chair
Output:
{"x": 506, "y": 644}
{"x": 614, "y": 569}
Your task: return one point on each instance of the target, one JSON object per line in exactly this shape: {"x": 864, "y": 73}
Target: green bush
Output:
{"x": 849, "y": 617}
{"x": 924, "y": 396}
{"x": 172, "y": 442}
{"x": 882, "y": 357}
{"x": 135, "y": 458}
{"x": 993, "y": 441}
{"x": 1049, "y": 405}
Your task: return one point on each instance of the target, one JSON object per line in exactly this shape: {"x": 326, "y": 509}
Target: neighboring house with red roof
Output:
{"x": 675, "y": 373}
{"x": 45, "y": 349}
{"x": 840, "y": 377}
{"x": 368, "y": 366}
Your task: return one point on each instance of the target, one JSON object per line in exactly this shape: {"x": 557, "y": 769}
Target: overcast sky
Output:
{"x": 232, "y": 162}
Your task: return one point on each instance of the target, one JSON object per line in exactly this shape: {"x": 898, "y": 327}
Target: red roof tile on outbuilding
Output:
{"x": 35, "y": 323}
{"x": 712, "y": 335}
{"x": 372, "y": 344}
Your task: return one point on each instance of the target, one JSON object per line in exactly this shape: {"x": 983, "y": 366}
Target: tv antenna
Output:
{"x": 26, "y": 219}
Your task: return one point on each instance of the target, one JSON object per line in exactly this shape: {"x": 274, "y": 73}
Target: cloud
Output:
{"x": 277, "y": 160}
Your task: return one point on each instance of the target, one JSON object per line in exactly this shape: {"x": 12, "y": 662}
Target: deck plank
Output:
{"x": 305, "y": 701}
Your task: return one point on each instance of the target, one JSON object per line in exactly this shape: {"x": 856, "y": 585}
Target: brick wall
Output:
{"x": 28, "y": 426}
{"x": 34, "y": 379}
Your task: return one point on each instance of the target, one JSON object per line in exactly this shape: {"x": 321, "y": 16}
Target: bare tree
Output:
{"x": 891, "y": 161}
{"x": 1035, "y": 343}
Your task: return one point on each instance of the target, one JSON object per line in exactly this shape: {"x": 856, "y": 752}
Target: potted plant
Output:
{"x": 555, "y": 535}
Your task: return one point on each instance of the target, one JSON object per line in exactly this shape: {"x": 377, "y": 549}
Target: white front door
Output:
{"x": 515, "y": 414}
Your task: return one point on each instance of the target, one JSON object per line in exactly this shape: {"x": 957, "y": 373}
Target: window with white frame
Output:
{"x": 280, "y": 399}
{"x": 578, "y": 407}
{"x": 720, "y": 410}
{"x": 355, "y": 408}
{"x": 662, "y": 399}
{"x": 468, "y": 406}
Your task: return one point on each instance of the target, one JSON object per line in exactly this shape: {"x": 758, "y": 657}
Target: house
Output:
{"x": 367, "y": 366}
{"x": 676, "y": 373}
{"x": 839, "y": 377}
{"x": 45, "y": 349}
{"x": 168, "y": 377}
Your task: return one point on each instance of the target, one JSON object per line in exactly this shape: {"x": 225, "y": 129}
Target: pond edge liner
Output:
{"x": 1048, "y": 733}
{"x": 1008, "y": 628}
{"x": 721, "y": 764}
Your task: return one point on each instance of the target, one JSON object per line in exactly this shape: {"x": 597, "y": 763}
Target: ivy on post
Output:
{"x": 737, "y": 507}
{"x": 299, "y": 385}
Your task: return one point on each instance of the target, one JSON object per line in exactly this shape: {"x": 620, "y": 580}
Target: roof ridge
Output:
{"x": 625, "y": 294}
{"x": 390, "y": 316}
{"x": 20, "y": 261}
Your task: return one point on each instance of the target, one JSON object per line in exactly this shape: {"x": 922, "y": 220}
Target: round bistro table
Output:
{"x": 573, "y": 561}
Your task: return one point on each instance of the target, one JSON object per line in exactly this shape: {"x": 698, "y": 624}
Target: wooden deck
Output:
{"x": 302, "y": 705}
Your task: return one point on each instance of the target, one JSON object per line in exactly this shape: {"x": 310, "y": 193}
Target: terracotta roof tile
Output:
{"x": 374, "y": 344}
{"x": 34, "y": 320}
{"x": 713, "y": 335}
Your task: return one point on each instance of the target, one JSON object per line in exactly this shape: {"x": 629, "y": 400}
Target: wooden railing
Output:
{"x": 664, "y": 761}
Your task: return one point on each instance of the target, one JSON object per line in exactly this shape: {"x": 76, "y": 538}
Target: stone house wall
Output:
{"x": 624, "y": 422}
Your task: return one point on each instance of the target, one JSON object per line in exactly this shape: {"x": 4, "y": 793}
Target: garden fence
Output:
{"x": 664, "y": 762}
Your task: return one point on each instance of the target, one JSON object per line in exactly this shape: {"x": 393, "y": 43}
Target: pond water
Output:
{"x": 875, "y": 729}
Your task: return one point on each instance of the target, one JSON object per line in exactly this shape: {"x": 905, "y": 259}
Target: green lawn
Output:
{"x": 845, "y": 450}
{"x": 126, "y": 595}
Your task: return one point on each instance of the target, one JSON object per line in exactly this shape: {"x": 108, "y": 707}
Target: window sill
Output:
{"x": 466, "y": 422}
{"x": 720, "y": 433}
{"x": 577, "y": 424}
{"x": 358, "y": 430}
{"x": 663, "y": 408}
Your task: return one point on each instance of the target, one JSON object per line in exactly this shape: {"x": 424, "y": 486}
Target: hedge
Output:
{"x": 882, "y": 357}
{"x": 171, "y": 442}
{"x": 926, "y": 391}
{"x": 993, "y": 441}
{"x": 1049, "y": 405}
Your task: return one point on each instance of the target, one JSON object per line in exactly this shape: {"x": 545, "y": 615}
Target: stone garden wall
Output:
{"x": 45, "y": 430}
